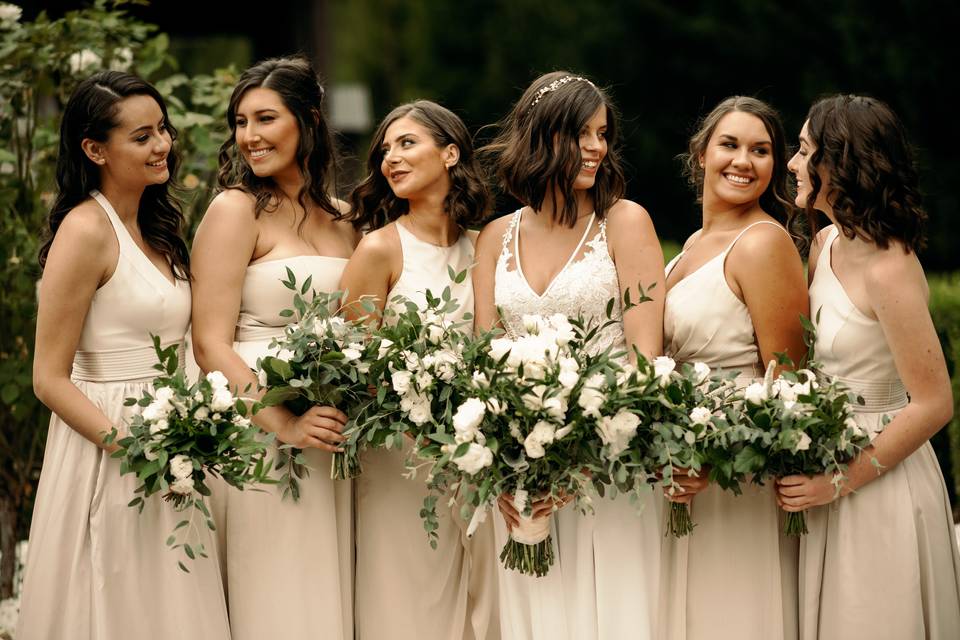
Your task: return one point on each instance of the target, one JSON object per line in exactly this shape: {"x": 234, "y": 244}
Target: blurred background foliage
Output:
{"x": 665, "y": 63}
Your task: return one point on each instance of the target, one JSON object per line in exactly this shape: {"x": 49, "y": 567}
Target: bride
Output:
{"x": 574, "y": 245}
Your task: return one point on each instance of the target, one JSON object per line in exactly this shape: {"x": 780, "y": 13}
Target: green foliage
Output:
{"x": 945, "y": 310}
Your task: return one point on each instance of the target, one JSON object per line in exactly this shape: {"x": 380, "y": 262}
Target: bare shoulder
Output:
{"x": 232, "y": 205}
{"x": 693, "y": 238}
{"x": 893, "y": 272}
{"x": 344, "y": 227}
{"x": 764, "y": 243}
{"x": 88, "y": 225}
{"x": 491, "y": 236}
{"x": 380, "y": 244}
{"x": 627, "y": 214}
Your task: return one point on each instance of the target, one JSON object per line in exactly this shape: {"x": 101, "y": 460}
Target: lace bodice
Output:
{"x": 584, "y": 285}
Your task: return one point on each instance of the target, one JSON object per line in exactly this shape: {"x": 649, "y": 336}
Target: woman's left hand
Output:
{"x": 796, "y": 493}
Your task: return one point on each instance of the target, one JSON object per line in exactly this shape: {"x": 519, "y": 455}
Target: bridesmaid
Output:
{"x": 881, "y": 559}
{"x": 288, "y": 564}
{"x": 115, "y": 269}
{"x": 734, "y": 299}
{"x": 574, "y": 245}
{"x": 423, "y": 190}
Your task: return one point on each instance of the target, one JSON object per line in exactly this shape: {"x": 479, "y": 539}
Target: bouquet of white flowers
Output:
{"x": 799, "y": 424}
{"x": 321, "y": 359}
{"x": 694, "y": 429}
{"x": 184, "y": 432}
{"x": 524, "y": 425}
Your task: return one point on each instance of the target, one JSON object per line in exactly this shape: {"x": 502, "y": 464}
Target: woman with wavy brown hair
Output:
{"x": 575, "y": 244}
{"x": 881, "y": 558}
{"x": 288, "y": 563}
{"x": 422, "y": 193}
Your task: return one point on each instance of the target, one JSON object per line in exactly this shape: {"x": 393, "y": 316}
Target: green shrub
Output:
{"x": 945, "y": 310}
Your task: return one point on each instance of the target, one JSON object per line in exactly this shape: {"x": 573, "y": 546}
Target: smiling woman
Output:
{"x": 115, "y": 270}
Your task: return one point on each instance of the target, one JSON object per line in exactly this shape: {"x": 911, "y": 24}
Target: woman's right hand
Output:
{"x": 540, "y": 508}
{"x": 319, "y": 427}
{"x": 687, "y": 486}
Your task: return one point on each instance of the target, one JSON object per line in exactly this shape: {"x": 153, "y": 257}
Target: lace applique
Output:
{"x": 584, "y": 285}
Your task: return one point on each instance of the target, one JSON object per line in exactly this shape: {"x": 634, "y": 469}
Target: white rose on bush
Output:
{"x": 476, "y": 457}
{"x": 468, "y": 417}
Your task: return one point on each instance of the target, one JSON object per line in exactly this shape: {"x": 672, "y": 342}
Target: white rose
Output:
{"x": 801, "y": 388}
{"x": 702, "y": 371}
{"x": 410, "y": 360}
{"x": 663, "y": 366}
{"x": 616, "y": 432}
{"x": 495, "y": 406}
{"x": 568, "y": 378}
{"x": 467, "y": 418}
{"x": 181, "y": 466}
{"x": 385, "y": 344}
{"x": 476, "y": 457}
{"x": 420, "y": 412}
{"x": 564, "y": 331}
{"x": 446, "y": 364}
{"x": 479, "y": 380}
{"x": 150, "y": 453}
{"x": 183, "y": 486}
{"x": 803, "y": 443}
{"x": 222, "y": 400}
{"x": 423, "y": 380}
{"x": 700, "y": 415}
{"x": 755, "y": 393}
{"x": 240, "y": 421}
{"x": 84, "y": 61}
{"x": 435, "y": 333}
{"x": 401, "y": 381}
{"x": 499, "y": 347}
{"x": 163, "y": 394}
{"x": 556, "y": 408}
{"x": 363, "y": 367}
{"x": 352, "y": 352}
{"x": 568, "y": 364}
{"x": 156, "y": 411}
{"x": 217, "y": 380}
{"x": 543, "y": 433}
{"x": 158, "y": 426}
{"x": 591, "y": 397}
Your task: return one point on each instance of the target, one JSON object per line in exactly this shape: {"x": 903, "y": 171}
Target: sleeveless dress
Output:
{"x": 405, "y": 588}
{"x": 603, "y": 583}
{"x": 96, "y": 568}
{"x": 288, "y": 564}
{"x": 735, "y": 576}
{"x": 880, "y": 563}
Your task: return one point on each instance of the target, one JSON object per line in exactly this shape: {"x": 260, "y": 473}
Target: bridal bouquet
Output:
{"x": 523, "y": 425}
{"x": 182, "y": 433}
{"x": 694, "y": 429}
{"x": 800, "y": 424}
{"x": 321, "y": 359}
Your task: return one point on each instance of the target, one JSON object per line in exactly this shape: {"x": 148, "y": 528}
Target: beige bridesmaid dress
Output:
{"x": 881, "y": 563}
{"x": 96, "y": 568}
{"x": 288, "y": 567}
{"x": 734, "y": 577}
{"x": 406, "y": 590}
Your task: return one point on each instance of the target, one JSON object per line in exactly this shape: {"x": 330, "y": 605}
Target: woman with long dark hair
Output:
{"x": 288, "y": 563}
{"x": 881, "y": 558}
{"x": 115, "y": 270}
{"x": 422, "y": 192}
{"x": 573, "y": 245}
{"x": 734, "y": 299}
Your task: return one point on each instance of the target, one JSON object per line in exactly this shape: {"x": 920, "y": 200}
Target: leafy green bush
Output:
{"x": 945, "y": 309}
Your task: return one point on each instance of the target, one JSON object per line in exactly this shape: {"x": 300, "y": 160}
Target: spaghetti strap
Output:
{"x": 750, "y": 226}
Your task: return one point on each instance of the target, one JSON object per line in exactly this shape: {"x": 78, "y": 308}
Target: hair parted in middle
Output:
{"x": 373, "y": 203}
{"x": 776, "y": 200}
{"x": 536, "y": 154}
{"x": 296, "y": 82}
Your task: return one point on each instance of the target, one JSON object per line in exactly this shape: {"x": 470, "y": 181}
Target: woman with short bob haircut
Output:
{"x": 423, "y": 189}
{"x": 115, "y": 271}
{"x": 556, "y": 153}
{"x": 288, "y": 561}
{"x": 881, "y": 558}
{"x": 734, "y": 299}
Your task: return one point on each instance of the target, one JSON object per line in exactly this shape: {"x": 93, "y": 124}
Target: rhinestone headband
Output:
{"x": 556, "y": 84}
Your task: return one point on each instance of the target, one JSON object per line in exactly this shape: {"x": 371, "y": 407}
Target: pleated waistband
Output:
{"x": 878, "y": 395}
{"x": 119, "y": 365}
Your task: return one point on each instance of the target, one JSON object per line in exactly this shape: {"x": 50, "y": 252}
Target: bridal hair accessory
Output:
{"x": 556, "y": 84}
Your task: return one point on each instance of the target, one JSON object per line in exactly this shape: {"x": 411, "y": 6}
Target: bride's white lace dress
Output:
{"x": 604, "y": 582}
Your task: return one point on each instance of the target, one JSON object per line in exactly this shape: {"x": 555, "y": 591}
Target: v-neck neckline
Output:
{"x": 120, "y": 228}
{"x": 570, "y": 260}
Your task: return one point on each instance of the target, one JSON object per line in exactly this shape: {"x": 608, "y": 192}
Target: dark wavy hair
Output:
{"x": 296, "y": 82}
{"x": 91, "y": 112}
{"x": 873, "y": 183}
{"x": 373, "y": 203}
{"x": 536, "y": 154}
{"x": 776, "y": 200}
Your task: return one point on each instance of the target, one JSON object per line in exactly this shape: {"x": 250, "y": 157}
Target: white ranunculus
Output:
{"x": 702, "y": 371}
{"x": 385, "y": 344}
{"x": 476, "y": 457}
{"x": 83, "y": 62}
{"x": 222, "y": 400}
{"x": 663, "y": 366}
{"x": 617, "y": 431}
{"x": 467, "y": 418}
{"x": 401, "y": 381}
{"x": 700, "y": 415}
{"x": 182, "y": 486}
{"x": 543, "y": 433}
{"x": 158, "y": 426}
{"x": 755, "y": 393}
{"x": 803, "y": 443}
{"x": 181, "y": 466}
{"x": 217, "y": 380}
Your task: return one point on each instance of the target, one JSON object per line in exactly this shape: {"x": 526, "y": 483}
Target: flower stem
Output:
{"x": 344, "y": 466}
{"x": 796, "y": 524}
{"x": 531, "y": 559}
{"x": 680, "y": 522}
